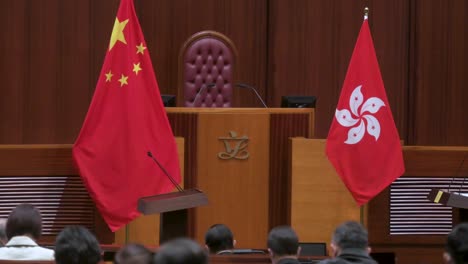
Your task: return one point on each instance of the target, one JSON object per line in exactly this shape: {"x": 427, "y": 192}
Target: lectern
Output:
{"x": 173, "y": 209}
{"x": 451, "y": 199}
{"x": 237, "y": 156}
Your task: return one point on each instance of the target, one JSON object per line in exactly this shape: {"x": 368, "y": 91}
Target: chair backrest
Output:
{"x": 207, "y": 70}
{"x": 240, "y": 251}
{"x": 313, "y": 248}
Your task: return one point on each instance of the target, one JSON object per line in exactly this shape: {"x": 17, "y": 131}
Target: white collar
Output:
{"x": 21, "y": 241}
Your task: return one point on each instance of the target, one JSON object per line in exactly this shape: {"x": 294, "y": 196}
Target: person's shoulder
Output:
{"x": 43, "y": 253}
{"x": 289, "y": 261}
{"x": 333, "y": 261}
{"x": 26, "y": 253}
{"x": 3, "y": 252}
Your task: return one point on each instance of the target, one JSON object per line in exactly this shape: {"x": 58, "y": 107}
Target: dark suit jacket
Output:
{"x": 289, "y": 261}
{"x": 351, "y": 256}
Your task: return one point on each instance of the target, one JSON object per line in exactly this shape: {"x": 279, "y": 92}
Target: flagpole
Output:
{"x": 361, "y": 215}
{"x": 127, "y": 234}
{"x": 361, "y": 208}
{"x": 366, "y": 13}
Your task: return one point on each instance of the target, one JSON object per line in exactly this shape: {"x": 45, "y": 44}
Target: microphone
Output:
{"x": 205, "y": 86}
{"x": 244, "y": 85}
{"x": 165, "y": 172}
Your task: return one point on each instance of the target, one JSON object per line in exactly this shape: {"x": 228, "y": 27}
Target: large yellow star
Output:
{"x": 136, "y": 68}
{"x": 140, "y": 48}
{"x": 123, "y": 80}
{"x": 117, "y": 33}
{"x": 109, "y": 76}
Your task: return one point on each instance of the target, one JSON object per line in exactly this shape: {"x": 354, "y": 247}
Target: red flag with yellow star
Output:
{"x": 126, "y": 120}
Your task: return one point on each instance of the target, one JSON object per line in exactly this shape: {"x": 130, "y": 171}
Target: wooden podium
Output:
{"x": 172, "y": 208}
{"x": 238, "y": 158}
{"x": 319, "y": 199}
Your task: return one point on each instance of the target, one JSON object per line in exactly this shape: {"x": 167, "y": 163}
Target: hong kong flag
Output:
{"x": 363, "y": 143}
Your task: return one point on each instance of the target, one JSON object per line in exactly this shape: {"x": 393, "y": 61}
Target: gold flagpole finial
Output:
{"x": 366, "y": 13}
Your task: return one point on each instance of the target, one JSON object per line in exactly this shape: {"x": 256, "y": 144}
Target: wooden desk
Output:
{"x": 319, "y": 199}
{"x": 256, "y": 259}
{"x": 249, "y": 195}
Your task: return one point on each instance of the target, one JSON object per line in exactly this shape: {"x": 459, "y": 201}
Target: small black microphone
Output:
{"x": 244, "y": 85}
{"x": 165, "y": 172}
{"x": 205, "y": 86}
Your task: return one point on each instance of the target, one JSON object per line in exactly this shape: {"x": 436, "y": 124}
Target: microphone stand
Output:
{"x": 165, "y": 172}
{"x": 244, "y": 85}
{"x": 204, "y": 86}
{"x": 172, "y": 207}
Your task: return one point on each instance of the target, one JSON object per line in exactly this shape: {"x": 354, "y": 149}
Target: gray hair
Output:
{"x": 350, "y": 235}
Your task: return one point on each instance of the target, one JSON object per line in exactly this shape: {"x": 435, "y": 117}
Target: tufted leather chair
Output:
{"x": 206, "y": 66}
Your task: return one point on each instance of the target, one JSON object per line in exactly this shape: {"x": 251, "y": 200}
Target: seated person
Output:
{"x": 3, "y": 237}
{"x": 23, "y": 229}
{"x": 76, "y": 245}
{"x": 456, "y": 249}
{"x": 283, "y": 245}
{"x": 219, "y": 239}
{"x": 133, "y": 254}
{"x": 181, "y": 251}
{"x": 350, "y": 245}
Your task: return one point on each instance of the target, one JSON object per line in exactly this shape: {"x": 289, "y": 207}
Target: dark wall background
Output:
{"x": 51, "y": 52}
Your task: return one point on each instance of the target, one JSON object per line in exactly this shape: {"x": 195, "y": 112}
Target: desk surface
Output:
{"x": 237, "y": 110}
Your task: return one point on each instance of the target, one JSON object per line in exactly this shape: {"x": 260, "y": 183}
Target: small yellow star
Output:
{"x": 117, "y": 33}
{"x": 136, "y": 68}
{"x": 123, "y": 80}
{"x": 140, "y": 48}
{"x": 109, "y": 76}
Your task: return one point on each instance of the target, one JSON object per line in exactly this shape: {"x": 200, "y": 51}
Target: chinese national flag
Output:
{"x": 125, "y": 120}
{"x": 363, "y": 143}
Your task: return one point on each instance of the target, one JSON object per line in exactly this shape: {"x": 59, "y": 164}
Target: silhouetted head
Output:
{"x": 134, "y": 254}
{"x": 24, "y": 220}
{"x": 76, "y": 245}
{"x": 219, "y": 237}
{"x": 283, "y": 241}
{"x": 457, "y": 245}
{"x": 349, "y": 235}
{"x": 181, "y": 251}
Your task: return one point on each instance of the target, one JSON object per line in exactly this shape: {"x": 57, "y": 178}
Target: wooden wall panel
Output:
{"x": 40, "y": 92}
{"x": 167, "y": 24}
{"x": 46, "y": 69}
{"x": 73, "y": 85}
{"x": 52, "y": 54}
{"x": 440, "y": 71}
{"x": 389, "y": 22}
{"x": 13, "y": 69}
{"x": 311, "y": 42}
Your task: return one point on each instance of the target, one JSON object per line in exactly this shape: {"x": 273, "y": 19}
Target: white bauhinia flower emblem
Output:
{"x": 345, "y": 118}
